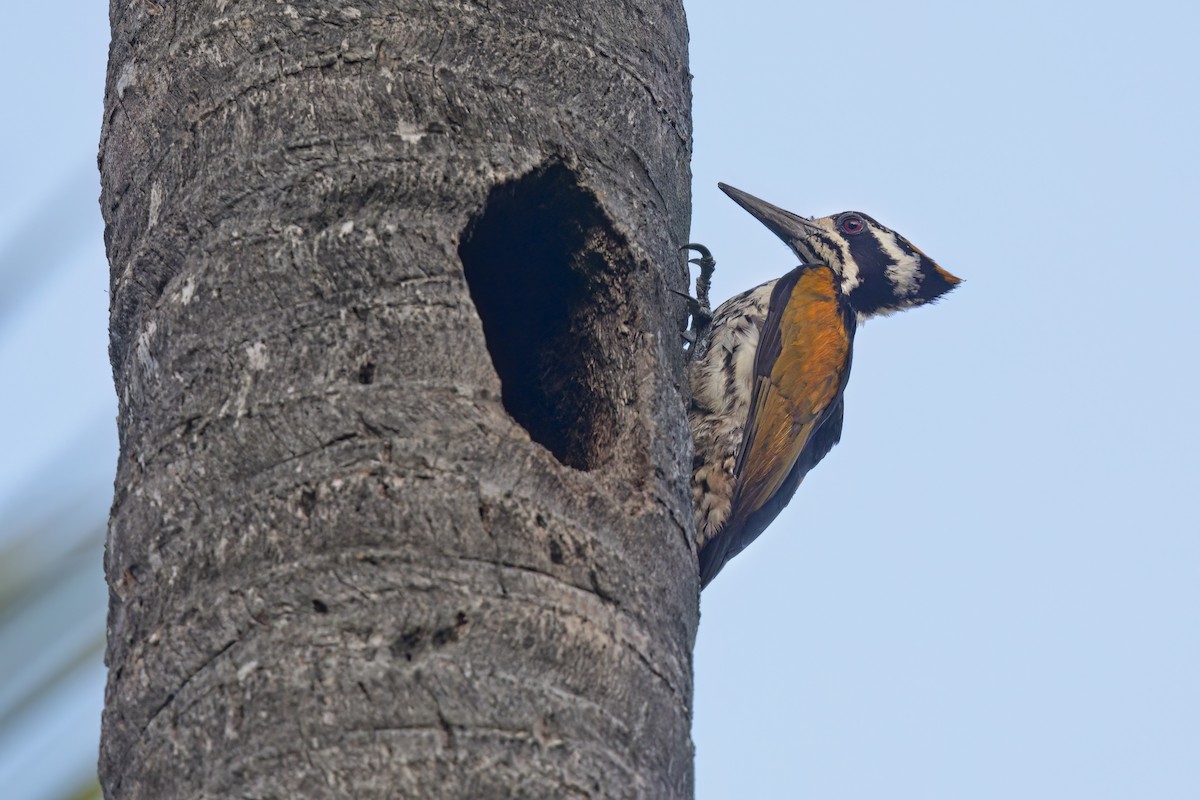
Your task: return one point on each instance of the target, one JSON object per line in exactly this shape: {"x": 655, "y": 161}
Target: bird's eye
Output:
{"x": 852, "y": 224}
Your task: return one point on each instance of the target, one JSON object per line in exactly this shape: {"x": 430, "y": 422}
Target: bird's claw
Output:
{"x": 693, "y": 305}
{"x": 706, "y": 260}
{"x": 698, "y": 306}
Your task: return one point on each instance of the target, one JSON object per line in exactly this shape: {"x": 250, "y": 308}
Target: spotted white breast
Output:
{"x": 722, "y": 383}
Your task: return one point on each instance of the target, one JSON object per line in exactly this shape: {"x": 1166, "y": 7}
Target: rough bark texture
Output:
{"x": 401, "y": 508}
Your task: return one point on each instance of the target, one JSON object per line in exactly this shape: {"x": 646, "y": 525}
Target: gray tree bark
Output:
{"x": 401, "y": 507}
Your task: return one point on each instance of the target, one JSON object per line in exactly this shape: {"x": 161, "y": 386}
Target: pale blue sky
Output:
{"x": 990, "y": 588}
{"x": 56, "y": 399}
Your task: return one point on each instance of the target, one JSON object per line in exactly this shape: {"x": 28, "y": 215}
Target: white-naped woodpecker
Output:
{"x": 770, "y": 365}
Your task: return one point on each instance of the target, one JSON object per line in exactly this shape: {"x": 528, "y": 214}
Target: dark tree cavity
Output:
{"x": 547, "y": 271}
{"x": 402, "y": 503}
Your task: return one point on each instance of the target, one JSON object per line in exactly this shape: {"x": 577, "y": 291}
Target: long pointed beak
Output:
{"x": 792, "y": 228}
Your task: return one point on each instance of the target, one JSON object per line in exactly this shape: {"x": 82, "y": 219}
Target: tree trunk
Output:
{"x": 401, "y": 507}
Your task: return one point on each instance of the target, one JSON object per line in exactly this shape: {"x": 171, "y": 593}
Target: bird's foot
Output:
{"x": 698, "y": 306}
{"x": 706, "y": 262}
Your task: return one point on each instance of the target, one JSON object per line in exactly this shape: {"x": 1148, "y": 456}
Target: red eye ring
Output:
{"x": 851, "y": 224}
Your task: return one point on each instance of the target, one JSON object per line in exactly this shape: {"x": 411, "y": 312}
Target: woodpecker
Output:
{"x": 769, "y": 370}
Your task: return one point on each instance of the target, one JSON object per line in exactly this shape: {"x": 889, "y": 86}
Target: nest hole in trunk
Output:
{"x": 544, "y": 268}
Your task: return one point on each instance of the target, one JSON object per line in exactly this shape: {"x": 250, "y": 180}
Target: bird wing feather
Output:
{"x": 795, "y": 386}
{"x": 801, "y": 365}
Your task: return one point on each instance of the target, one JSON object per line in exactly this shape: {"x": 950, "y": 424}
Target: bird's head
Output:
{"x": 880, "y": 270}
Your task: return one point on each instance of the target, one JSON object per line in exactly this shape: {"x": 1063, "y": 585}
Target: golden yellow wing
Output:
{"x": 801, "y": 366}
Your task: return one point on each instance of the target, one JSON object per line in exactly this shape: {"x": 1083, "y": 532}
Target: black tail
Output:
{"x": 714, "y": 555}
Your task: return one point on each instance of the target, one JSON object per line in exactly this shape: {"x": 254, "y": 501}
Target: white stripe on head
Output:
{"x": 834, "y": 250}
{"x": 904, "y": 271}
